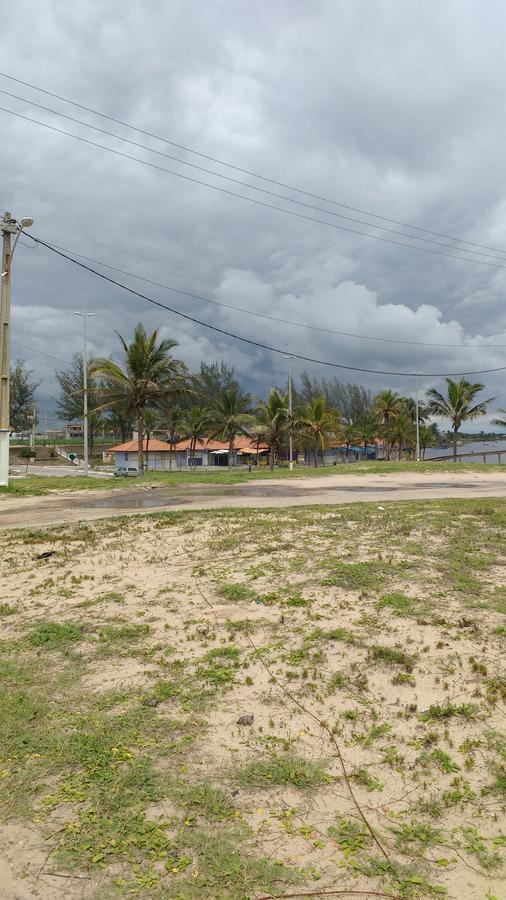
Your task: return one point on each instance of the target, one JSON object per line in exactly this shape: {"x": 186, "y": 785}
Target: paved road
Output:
{"x": 61, "y": 508}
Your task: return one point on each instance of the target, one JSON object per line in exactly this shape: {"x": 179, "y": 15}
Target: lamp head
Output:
{"x": 26, "y": 222}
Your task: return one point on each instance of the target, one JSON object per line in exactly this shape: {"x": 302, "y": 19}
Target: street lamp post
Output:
{"x": 8, "y": 227}
{"x": 417, "y": 419}
{"x": 85, "y": 388}
{"x": 290, "y": 433}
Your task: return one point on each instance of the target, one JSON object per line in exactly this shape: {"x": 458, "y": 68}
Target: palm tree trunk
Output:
{"x": 230, "y": 450}
{"x": 455, "y": 432}
{"x": 140, "y": 441}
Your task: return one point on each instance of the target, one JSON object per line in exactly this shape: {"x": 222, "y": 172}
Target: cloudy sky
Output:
{"x": 395, "y": 108}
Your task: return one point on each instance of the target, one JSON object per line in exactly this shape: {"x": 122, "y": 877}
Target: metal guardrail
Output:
{"x": 482, "y": 453}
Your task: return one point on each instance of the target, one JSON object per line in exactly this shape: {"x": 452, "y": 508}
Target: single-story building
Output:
{"x": 159, "y": 455}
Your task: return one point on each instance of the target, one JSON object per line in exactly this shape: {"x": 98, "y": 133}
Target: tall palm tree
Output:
{"x": 150, "y": 375}
{"x": 232, "y": 416}
{"x": 195, "y": 425}
{"x": 319, "y": 424}
{"x": 387, "y": 404}
{"x": 273, "y": 417}
{"x": 458, "y": 404}
{"x": 500, "y": 422}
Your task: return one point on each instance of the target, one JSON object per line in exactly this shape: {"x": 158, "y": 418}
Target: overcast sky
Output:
{"x": 393, "y": 107}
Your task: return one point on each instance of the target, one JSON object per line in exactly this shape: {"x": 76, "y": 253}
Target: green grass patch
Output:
{"x": 283, "y": 770}
{"x": 55, "y": 635}
{"x": 392, "y": 656}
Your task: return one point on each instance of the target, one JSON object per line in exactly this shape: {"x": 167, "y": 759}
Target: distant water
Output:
{"x": 472, "y": 446}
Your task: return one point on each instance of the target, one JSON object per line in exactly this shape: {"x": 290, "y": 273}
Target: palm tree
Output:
{"x": 427, "y": 438}
{"x": 458, "y": 404}
{"x": 150, "y": 376}
{"x": 195, "y": 425}
{"x": 319, "y": 424}
{"x": 231, "y": 415}
{"x": 366, "y": 431}
{"x": 273, "y": 417}
{"x": 401, "y": 431}
{"x": 173, "y": 420}
{"x": 500, "y": 422}
{"x": 259, "y": 435}
{"x": 387, "y": 404}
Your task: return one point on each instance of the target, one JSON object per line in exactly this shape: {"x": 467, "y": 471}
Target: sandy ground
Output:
{"x": 67, "y": 507}
{"x": 184, "y": 579}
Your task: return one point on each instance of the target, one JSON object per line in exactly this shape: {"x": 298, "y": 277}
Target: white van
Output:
{"x": 126, "y": 472}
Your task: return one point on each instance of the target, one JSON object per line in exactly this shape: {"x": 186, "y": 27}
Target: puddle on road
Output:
{"x": 159, "y": 499}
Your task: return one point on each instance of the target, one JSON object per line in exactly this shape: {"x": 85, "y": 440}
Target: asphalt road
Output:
{"x": 64, "y": 508}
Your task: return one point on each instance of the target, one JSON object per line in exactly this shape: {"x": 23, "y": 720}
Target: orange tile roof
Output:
{"x": 156, "y": 446}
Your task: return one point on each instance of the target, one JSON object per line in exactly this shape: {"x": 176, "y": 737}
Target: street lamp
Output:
{"x": 85, "y": 386}
{"x": 8, "y": 227}
{"x": 290, "y": 435}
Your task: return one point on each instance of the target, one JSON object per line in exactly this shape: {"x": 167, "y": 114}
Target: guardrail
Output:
{"x": 482, "y": 453}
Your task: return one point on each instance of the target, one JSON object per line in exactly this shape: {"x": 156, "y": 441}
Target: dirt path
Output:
{"x": 68, "y": 507}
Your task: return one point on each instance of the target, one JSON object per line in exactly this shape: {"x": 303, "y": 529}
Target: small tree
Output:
{"x": 22, "y": 395}
{"x": 195, "y": 425}
{"x": 27, "y": 453}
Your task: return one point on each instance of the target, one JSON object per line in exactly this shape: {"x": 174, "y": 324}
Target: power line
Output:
{"x": 249, "y": 341}
{"x": 257, "y": 202}
{"x": 245, "y": 184}
{"x": 247, "y": 171}
{"x": 277, "y": 319}
{"x": 42, "y": 353}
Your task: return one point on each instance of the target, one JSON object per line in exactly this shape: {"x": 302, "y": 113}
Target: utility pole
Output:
{"x": 8, "y": 227}
{"x": 290, "y": 433}
{"x": 85, "y": 388}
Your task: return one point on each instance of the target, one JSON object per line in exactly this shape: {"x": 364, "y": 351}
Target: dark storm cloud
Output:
{"x": 394, "y": 107}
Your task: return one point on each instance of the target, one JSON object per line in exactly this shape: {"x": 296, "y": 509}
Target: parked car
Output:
{"x": 126, "y": 472}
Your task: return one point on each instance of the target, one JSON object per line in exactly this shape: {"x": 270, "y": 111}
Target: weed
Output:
{"x": 356, "y": 576}
{"x": 7, "y": 610}
{"x": 367, "y": 779}
{"x": 235, "y": 593}
{"x": 400, "y": 603}
{"x": 444, "y": 761}
{"x": 204, "y": 799}
{"x": 53, "y": 635}
{"x": 283, "y": 770}
{"x": 219, "y": 666}
{"x": 420, "y": 834}
{"x": 448, "y": 710}
{"x": 351, "y": 836}
{"x": 123, "y": 634}
{"x": 392, "y": 656}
